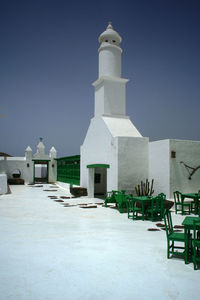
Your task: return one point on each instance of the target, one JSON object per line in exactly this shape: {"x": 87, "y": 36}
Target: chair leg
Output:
{"x": 182, "y": 208}
{"x": 194, "y": 258}
{"x": 168, "y": 245}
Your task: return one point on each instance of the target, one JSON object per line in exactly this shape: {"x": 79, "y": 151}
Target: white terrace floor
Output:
{"x": 52, "y": 252}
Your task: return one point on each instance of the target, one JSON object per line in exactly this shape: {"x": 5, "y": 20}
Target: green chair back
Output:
{"x": 177, "y": 197}
{"x": 168, "y": 222}
{"x": 132, "y": 209}
{"x": 111, "y": 197}
{"x": 173, "y": 237}
{"x": 155, "y": 211}
{"x": 162, "y": 195}
{"x": 121, "y": 200}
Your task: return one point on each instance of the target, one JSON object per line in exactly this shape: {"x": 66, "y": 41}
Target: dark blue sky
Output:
{"x": 49, "y": 59}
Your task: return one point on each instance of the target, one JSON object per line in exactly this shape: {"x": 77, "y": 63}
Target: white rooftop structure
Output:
{"x": 112, "y": 141}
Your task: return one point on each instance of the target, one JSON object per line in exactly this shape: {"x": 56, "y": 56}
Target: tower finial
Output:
{"x": 109, "y": 25}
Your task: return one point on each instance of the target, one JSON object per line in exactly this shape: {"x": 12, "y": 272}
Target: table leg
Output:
{"x": 187, "y": 233}
{"x": 196, "y": 206}
{"x": 182, "y": 207}
{"x": 142, "y": 210}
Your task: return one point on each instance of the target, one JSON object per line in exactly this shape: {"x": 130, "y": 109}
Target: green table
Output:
{"x": 188, "y": 225}
{"x": 145, "y": 201}
{"x": 195, "y": 197}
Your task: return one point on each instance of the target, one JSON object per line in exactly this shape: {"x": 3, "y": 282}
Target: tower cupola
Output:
{"x": 110, "y": 36}
{"x": 110, "y": 53}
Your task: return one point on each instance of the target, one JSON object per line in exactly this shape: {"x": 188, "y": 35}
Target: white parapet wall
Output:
{"x": 3, "y": 184}
{"x": 10, "y": 164}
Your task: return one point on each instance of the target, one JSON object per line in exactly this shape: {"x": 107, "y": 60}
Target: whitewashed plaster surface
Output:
{"x": 159, "y": 168}
{"x": 168, "y": 173}
{"x": 121, "y": 127}
{"x": 110, "y": 96}
{"x": 25, "y": 164}
{"x": 10, "y": 165}
{"x": 188, "y": 152}
{"x": 99, "y": 147}
{"x": 132, "y": 162}
{"x": 3, "y": 184}
{"x": 51, "y": 252}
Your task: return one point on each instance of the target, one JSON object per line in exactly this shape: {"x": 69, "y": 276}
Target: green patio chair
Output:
{"x": 111, "y": 198}
{"x": 156, "y": 210}
{"x": 121, "y": 200}
{"x": 172, "y": 236}
{"x": 196, "y": 243}
{"x": 179, "y": 205}
{"x": 132, "y": 209}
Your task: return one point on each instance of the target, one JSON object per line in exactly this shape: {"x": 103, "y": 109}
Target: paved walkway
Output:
{"x": 52, "y": 252}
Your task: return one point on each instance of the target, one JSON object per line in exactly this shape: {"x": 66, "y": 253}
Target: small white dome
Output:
{"x": 110, "y": 35}
{"x": 28, "y": 149}
{"x": 53, "y": 149}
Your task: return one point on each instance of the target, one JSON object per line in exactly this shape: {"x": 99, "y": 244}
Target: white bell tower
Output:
{"x": 113, "y": 148}
{"x": 110, "y": 88}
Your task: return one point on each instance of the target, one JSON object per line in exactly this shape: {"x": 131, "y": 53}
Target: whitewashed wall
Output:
{"x": 132, "y": 162}
{"x": 3, "y": 184}
{"x": 99, "y": 147}
{"x": 169, "y": 174}
{"x": 52, "y": 170}
{"x": 188, "y": 152}
{"x": 12, "y": 163}
{"x": 26, "y": 168}
{"x": 159, "y": 168}
{"x": 126, "y": 155}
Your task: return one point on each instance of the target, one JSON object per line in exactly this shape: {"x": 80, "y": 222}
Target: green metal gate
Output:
{"x": 68, "y": 169}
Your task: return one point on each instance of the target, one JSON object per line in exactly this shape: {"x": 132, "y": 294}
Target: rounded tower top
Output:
{"x": 110, "y": 36}
{"x": 110, "y": 53}
{"x": 53, "y": 149}
{"x": 28, "y": 149}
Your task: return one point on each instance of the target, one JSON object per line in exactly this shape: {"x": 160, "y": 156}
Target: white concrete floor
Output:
{"x": 52, "y": 252}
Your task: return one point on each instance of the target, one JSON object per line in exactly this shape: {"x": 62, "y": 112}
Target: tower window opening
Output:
{"x": 114, "y": 41}
{"x": 106, "y": 40}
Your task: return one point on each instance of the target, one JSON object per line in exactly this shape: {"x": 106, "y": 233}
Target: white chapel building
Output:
{"x": 114, "y": 155}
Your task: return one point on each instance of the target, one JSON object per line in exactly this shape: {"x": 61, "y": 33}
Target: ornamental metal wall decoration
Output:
{"x": 191, "y": 170}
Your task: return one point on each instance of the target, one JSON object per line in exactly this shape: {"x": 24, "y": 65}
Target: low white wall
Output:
{"x": 159, "y": 168}
{"x": 63, "y": 185}
{"x": 25, "y": 166}
{"x": 9, "y": 165}
{"x": 3, "y": 184}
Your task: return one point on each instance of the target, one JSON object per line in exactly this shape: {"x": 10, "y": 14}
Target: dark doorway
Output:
{"x": 100, "y": 182}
